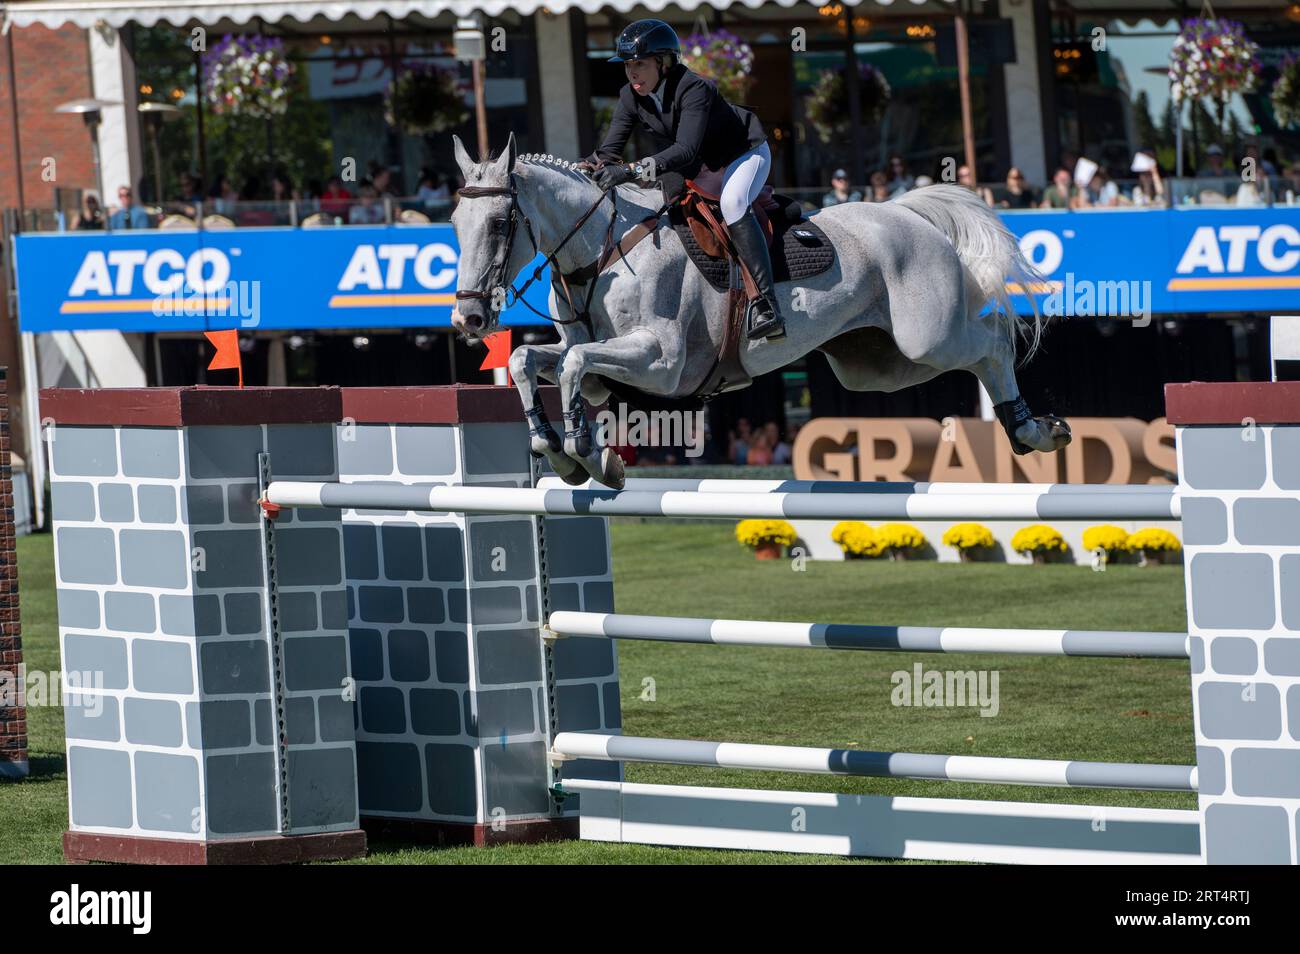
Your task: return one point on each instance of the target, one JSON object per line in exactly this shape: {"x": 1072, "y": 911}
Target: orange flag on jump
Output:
{"x": 227, "y": 356}
{"x": 498, "y": 351}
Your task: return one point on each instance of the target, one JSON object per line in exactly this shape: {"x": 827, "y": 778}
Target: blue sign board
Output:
{"x": 1160, "y": 261}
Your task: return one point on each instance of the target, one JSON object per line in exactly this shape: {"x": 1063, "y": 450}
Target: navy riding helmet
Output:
{"x": 646, "y": 38}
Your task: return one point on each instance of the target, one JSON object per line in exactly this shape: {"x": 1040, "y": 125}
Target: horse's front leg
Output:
{"x": 635, "y": 359}
{"x": 528, "y": 365}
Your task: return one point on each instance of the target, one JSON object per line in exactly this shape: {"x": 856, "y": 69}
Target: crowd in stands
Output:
{"x": 1079, "y": 182}
{"x": 258, "y": 201}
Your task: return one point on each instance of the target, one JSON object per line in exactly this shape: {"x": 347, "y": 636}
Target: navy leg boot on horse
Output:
{"x": 765, "y": 319}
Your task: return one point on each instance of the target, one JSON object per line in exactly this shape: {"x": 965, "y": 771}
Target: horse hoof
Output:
{"x": 1057, "y": 429}
{"x": 611, "y": 466}
{"x": 576, "y": 477}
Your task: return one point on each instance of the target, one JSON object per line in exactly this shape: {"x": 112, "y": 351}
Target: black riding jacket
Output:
{"x": 698, "y": 127}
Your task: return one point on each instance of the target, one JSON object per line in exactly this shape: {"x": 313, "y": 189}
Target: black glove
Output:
{"x": 613, "y": 175}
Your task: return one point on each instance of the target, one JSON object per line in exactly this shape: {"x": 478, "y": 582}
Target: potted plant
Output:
{"x": 723, "y": 57}
{"x": 856, "y": 539}
{"x": 765, "y": 537}
{"x": 970, "y": 540}
{"x": 425, "y": 100}
{"x": 1212, "y": 59}
{"x": 901, "y": 541}
{"x": 1038, "y": 540}
{"x": 1111, "y": 539}
{"x": 247, "y": 76}
{"x": 1285, "y": 96}
{"x": 1153, "y": 545}
{"x": 827, "y": 105}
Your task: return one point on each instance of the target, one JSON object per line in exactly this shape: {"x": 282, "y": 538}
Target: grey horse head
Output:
{"x": 482, "y": 225}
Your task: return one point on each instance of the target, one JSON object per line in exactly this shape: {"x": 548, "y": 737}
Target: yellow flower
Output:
{"x": 1038, "y": 538}
{"x": 755, "y": 533}
{"x": 1153, "y": 538}
{"x": 900, "y": 536}
{"x": 1105, "y": 537}
{"x": 856, "y": 539}
{"x": 966, "y": 536}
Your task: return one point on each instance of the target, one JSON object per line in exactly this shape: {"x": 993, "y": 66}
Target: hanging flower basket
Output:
{"x": 827, "y": 106}
{"x": 723, "y": 57}
{"x": 247, "y": 76}
{"x": 1286, "y": 93}
{"x": 1212, "y": 58}
{"x": 425, "y": 100}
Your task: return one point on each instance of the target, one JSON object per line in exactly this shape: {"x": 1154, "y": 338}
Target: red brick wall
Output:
{"x": 13, "y": 719}
{"x": 50, "y": 67}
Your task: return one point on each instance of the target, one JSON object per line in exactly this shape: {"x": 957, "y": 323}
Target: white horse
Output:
{"x": 901, "y": 304}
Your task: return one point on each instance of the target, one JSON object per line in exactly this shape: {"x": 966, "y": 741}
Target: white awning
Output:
{"x": 117, "y": 13}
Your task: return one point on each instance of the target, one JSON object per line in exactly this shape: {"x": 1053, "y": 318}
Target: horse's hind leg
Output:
{"x": 997, "y": 372}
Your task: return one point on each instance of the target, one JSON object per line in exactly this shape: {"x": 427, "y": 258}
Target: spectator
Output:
{"x": 1018, "y": 194}
{"x": 1101, "y": 192}
{"x": 1214, "y": 167}
{"x": 879, "y": 188}
{"x": 433, "y": 189}
{"x": 191, "y": 196}
{"x": 738, "y": 442}
{"x": 1291, "y": 184}
{"x": 780, "y": 449}
{"x": 91, "y": 215}
{"x": 1263, "y": 168}
{"x": 368, "y": 210}
{"x": 760, "y": 451}
{"x": 222, "y": 197}
{"x": 966, "y": 178}
{"x": 840, "y": 193}
{"x": 128, "y": 214}
{"x": 381, "y": 177}
{"x": 900, "y": 180}
{"x": 1062, "y": 193}
{"x": 1150, "y": 188}
{"x": 336, "y": 199}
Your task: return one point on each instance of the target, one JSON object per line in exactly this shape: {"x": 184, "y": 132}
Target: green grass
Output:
{"x": 1098, "y": 709}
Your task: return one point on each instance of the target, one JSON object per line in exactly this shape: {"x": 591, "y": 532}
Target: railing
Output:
{"x": 416, "y": 210}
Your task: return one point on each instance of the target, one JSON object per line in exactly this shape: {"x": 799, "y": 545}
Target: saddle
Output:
{"x": 796, "y": 253}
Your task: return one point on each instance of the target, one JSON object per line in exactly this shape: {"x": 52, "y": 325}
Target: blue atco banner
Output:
{"x": 1143, "y": 262}
{"x": 1096, "y": 263}
{"x": 353, "y": 277}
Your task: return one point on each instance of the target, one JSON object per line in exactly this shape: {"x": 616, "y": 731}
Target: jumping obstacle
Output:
{"x": 542, "y": 633}
{"x": 1099, "y": 502}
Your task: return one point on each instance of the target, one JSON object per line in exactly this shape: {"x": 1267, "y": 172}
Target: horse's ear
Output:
{"x": 505, "y": 163}
{"x": 462, "y": 157}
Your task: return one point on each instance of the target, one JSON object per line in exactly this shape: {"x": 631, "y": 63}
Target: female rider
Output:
{"x": 691, "y": 126}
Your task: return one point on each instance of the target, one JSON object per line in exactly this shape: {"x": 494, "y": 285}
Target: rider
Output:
{"x": 691, "y": 125}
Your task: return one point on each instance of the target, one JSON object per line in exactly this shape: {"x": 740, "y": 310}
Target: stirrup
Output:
{"x": 770, "y": 327}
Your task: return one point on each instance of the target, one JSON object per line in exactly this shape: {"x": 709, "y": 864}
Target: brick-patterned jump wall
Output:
{"x": 1239, "y": 474}
{"x": 13, "y": 716}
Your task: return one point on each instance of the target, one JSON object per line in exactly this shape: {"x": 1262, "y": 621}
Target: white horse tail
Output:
{"x": 986, "y": 247}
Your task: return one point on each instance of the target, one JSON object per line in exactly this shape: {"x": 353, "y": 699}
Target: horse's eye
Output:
{"x": 498, "y": 226}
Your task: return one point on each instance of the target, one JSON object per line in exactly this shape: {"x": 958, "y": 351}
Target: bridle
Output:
{"x": 496, "y": 277}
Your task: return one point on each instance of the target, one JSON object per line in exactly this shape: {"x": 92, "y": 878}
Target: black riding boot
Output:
{"x": 765, "y": 315}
